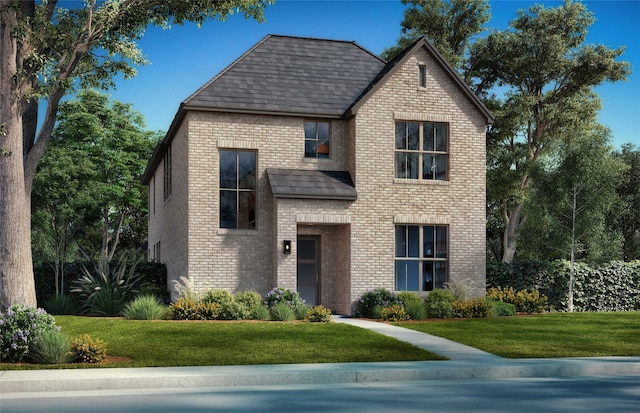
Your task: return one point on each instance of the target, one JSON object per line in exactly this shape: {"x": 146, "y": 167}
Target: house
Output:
{"x": 314, "y": 165}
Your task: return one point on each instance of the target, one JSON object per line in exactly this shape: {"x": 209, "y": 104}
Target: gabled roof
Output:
{"x": 291, "y": 75}
{"x": 304, "y": 184}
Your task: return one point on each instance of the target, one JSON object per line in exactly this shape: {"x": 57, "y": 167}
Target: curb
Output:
{"x": 19, "y": 382}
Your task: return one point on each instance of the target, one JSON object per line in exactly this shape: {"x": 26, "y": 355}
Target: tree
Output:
{"x": 548, "y": 74}
{"x": 89, "y": 177}
{"x": 449, "y": 26}
{"x": 45, "y": 52}
{"x": 627, "y": 215}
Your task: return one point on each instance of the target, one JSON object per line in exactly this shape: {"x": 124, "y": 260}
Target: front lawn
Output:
{"x": 204, "y": 343}
{"x": 544, "y": 336}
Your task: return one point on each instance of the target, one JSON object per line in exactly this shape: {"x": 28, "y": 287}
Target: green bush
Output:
{"x": 525, "y": 301}
{"x": 59, "y": 304}
{"x": 407, "y": 297}
{"x": 282, "y": 312}
{"x": 189, "y": 309}
{"x": 380, "y": 297}
{"x": 319, "y": 314}
{"x": 501, "y": 308}
{"x": 144, "y": 307}
{"x": 283, "y": 295}
{"x": 394, "y": 312}
{"x": 51, "y": 347}
{"x": 87, "y": 350}
{"x": 301, "y": 311}
{"x": 229, "y": 308}
{"x": 260, "y": 312}
{"x": 416, "y": 310}
{"x": 470, "y": 308}
{"x": 107, "y": 289}
{"x": 438, "y": 304}
{"x": 20, "y": 326}
{"x": 250, "y": 300}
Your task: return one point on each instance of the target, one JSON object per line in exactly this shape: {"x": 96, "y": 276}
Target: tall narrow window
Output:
{"x": 167, "y": 174}
{"x": 422, "y": 76}
{"x": 422, "y": 151}
{"x": 421, "y": 262}
{"x": 316, "y": 140}
{"x": 237, "y": 189}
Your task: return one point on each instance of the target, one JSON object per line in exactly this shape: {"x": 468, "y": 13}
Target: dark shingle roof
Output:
{"x": 301, "y": 184}
{"x": 292, "y": 75}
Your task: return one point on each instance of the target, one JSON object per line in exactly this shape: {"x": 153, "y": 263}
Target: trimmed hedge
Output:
{"x": 610, "y": 287}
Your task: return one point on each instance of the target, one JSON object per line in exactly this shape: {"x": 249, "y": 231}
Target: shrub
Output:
{"x": 407, "y": 297}
{"x": 59, "y": 304}
{"x": 507, "y": 294}
{"x": 282, "y": 312}
{"x": 87, "y": 350}
{"x": 188, "y": 309}
{"x": 501, "y": 309}
{"x": 229, "y": 308}
{"x": 106, "y": 290}
{"x": 52, "y": 347}
{"x": 394, "y": 312}
{"x": 416, "y": 310}
{"x": 319, "y": 314}
{"x": 144, "y": 307}
{"x": 525, "y": 301}
{"x": 260, "y": 312}
{"x": 438, "y": 304}
{"x": 283, "y": 295}
{"x": 459, "y": 290}
{"x": 376, "y": 312}
{"x": 471, "y": 308}
{"x": 20, "y": 326}
{"x": 250, "y": 300}
{"x": 365, "y": 306}
{"x": 301, "y": 311}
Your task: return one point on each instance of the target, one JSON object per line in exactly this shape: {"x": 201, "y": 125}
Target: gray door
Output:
{"x": 308, "y": 269}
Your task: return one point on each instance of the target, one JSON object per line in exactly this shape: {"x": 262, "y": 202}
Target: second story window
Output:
{"x": 316, "y": 140}
{"x": 168, "y": 187}
{"x": 422, "y": 76}
{"x": 237, "y": 189}
{"x": 422, "y": 151}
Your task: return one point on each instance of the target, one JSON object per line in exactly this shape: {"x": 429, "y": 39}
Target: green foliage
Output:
{"x": 407, "y": 297}
{"x": 229, "y": 308}
{"x": 300, "y": 311}
{"x": 283, "y": 295}
{"x": 459, "y": 290}
{"x": 525, "y": 301}
{"x": 60, "y": 305}
{"x": 471, "y": 308}
{"x": 144, "y": 307}
{"x": 260, "y": 312}
{"x": 190, "y": 309}
{"x": 626, "y": 215}
{"x": 501, "y": 309}
{"x": 20, "y": 327}
{"x": 282, "y": 312}
{"x": 249, "y": 299}
{"x": 51, "y": 347}
{"x": 380, "y": 297}
{"x": 438, "y": 304}
{"x": 416, "y": 310}
{"x": 319, "y": 314}
{"x": 394, "y": 313}
{"x": 88, "y": 350}
{"x": 106, "y": 290}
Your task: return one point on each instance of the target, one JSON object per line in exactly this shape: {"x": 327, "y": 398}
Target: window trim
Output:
{"x": 421, "y": 259}
{"x": 237, "y": 190}
{"x": 305, "y": 139}
{"x": 421, "y": 152}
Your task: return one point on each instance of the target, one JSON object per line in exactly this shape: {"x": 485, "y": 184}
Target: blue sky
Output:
{"x": 185, "y": 57}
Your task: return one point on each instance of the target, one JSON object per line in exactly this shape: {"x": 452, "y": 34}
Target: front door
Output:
{"x": 308, "y": 269}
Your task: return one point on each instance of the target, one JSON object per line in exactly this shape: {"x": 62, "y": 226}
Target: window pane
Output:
{"x": 246, "y": 170}
{"x": 413, "y": 237}
{"x": 440, "y": 274}
{"x": 440, "y": 170}
{"x": 427, "y": 276}
{"x": 228, "y": 204}
{"x": 413, "y": 136}
{"x": 401, "y": 241}
{"x": 323, "y": 148}
{"x": 413, "y": 276}
{"x": 428, "y": 166}
{"x": 427, "y": 242}
{"x": 310, "y": 149}
{"x": 310, "y": 130}
{"x": 323, "y": 131}
{"x": 246, "y": 210}
{"x": 441, "y": 242}
{"x": 422, "y": 72}
{"x": 228, "y": 169}
{"x": 427, "y": 136}
{"x": 306, "y": 249}
{"x": 407, "y": 165}
{"x": 441, "y": 137}
{"x": 401, "y": 275}
{"x": 401, "y": 135}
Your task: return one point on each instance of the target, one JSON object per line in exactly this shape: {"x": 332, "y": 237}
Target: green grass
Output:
{"x": 195, "y": 343}
{"x": 545, "y": 336}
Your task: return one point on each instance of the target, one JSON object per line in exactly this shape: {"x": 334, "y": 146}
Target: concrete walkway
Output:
{"x": 465, "y": 363}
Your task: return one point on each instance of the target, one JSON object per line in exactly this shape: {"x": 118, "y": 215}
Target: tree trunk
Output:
{"x": 513, "y": 218}
{"x": 17, "y": 285}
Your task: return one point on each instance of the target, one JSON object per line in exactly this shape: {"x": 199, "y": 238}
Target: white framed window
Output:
{"x": 421, "y": 257}
{"x": 422, "y": 151}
